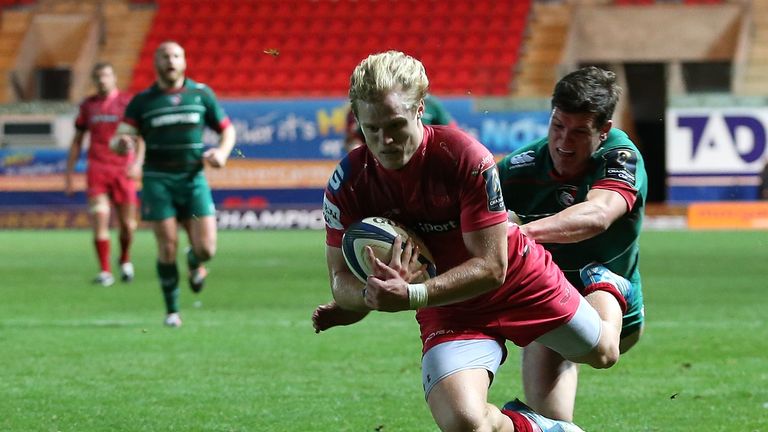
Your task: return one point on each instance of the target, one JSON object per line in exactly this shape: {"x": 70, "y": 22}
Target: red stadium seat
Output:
{"x": 318, "y": 42}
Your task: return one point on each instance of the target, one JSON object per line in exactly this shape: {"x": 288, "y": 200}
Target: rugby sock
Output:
{"x": 102, "y": 251}
{"x": 610, "y": 289}
{"x": 169, "y": 282}
{"x": 521, "y": 422}
{"x": 126, "y": 238}
{"x": 192, "y": 261}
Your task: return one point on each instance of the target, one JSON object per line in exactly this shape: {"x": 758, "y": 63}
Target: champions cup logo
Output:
{"x": 623, "y": 156}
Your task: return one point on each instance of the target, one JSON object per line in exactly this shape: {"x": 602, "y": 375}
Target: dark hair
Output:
{"x": 588, "y": 90}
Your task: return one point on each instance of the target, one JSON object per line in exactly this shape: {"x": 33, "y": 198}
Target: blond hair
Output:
{"x": 384, "y": 72}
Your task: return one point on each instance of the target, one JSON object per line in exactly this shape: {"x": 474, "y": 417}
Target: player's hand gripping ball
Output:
{"x": 379, "y": 233}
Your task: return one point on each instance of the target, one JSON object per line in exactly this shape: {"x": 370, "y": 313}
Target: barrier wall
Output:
{"x": 287, "y": 149}
{"x": 285, "y": 152}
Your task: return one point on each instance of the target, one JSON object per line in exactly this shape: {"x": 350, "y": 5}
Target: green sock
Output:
{"x": 169, "y": 282}
{"x": 192, "y": 261}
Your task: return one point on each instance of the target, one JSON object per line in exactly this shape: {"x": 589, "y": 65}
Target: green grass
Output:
{"x": 76, "y": 357}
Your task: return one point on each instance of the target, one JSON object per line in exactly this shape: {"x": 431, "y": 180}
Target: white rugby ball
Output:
{"x": 379, "y": 233}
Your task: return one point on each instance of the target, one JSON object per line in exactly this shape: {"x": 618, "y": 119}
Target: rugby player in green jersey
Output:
{"x": 581, "y": 192}
{"x": 165, "y": 124}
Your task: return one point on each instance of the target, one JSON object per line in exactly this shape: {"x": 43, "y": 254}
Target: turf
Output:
{"x": 78, "y": 357}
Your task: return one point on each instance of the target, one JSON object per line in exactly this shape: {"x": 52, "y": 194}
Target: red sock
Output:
{"x": 126, "y": 238}
{"x": 102, "y": 250}
{"x": 521, "y": 422}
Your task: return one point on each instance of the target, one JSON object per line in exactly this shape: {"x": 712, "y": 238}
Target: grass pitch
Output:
{"x": 79, "y": 357}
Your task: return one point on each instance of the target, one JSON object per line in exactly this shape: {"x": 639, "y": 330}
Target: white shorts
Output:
{"x": 576, "y": 338}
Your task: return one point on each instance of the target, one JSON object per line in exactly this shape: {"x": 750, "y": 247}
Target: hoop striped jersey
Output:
{"x": 533, "y": 190}
{"x": 172, "y": 123}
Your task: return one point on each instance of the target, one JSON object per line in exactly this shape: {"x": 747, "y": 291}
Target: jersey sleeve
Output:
{"x": 133, "y": 113}
{"x": 619, "y": 174}
{"x": 482, "y": 204}
{"x": 215, "y": 117}
{"x": 338, "y": 208}
{"x": 81, "y": 122}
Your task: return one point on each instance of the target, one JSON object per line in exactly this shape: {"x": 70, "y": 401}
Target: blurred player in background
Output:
{"x": 166, "y": 122}
{"x": 434, "y": 114}
{"x": 110, "y": 177}
{"x": 493, "y": 283}
{"x": 581, "y": 192}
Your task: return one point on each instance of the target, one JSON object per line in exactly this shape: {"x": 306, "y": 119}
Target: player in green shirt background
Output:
{"x": 581, "y": 192}
{"x": 165, "y": 124}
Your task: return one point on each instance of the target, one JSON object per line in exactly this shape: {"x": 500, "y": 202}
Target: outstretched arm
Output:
{"x": 581, "y": 221}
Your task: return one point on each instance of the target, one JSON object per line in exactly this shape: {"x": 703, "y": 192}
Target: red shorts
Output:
{"x": 112, "y": 181}
{"x": 536, "y": 299}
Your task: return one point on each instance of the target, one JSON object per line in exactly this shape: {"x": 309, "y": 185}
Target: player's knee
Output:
{"x": 604, "y": 356}
{"x": 128, "y": 227}
{"x": 465, "y": 420}
{"x": 98, "y": 207}
{"x": 205, "y": 252}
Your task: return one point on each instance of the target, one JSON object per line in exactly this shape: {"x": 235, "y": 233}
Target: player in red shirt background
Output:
{"x": 110, "y": 177}
{"x": 493, "y": 284}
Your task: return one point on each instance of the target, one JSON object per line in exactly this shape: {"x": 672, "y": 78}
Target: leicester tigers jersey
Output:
{"x": 533, "y": 191}
{"x": 172, "y": 123}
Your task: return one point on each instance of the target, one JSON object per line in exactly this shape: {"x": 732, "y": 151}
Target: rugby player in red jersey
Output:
{"x": 110, "y": 177}
{"x": 493, "y": 284}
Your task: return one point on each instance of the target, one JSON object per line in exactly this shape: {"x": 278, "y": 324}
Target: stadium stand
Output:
{"x": 542, "y": 49}
{"x": 468, "y": 48}
{"x": 13, "y": 26}
{"x": 753, "y": 80}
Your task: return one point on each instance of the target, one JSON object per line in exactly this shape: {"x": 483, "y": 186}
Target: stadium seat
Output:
{"x": 312, "y": 40}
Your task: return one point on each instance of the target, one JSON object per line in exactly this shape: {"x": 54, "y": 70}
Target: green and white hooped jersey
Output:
{"x": 172, "y": 125}
{"x": 531, "y": 191}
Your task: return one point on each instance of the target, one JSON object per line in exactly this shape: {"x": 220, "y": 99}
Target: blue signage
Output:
{"x": 314, "y": 128}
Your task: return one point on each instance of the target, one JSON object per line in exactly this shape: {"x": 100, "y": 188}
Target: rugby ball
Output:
{"x": 379, "y": 233}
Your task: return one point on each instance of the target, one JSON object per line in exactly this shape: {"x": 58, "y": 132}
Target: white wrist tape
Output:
{"x": 417, "y": 295}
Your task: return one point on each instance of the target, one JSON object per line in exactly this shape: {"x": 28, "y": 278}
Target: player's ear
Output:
{"x": 420, "y": 109}
{"x": 605, "y": 129}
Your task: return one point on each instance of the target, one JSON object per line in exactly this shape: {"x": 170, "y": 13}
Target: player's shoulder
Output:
{"x": 146, "y": 93}
{"x": 89, "y": 100}
{"x": 350, "y": 166}
{"x": 617, "y": 136}
{"x": 525, "y": 157}
{"x": 125, "y": 95}
{"x": 618, "y": 145}
{"x": 454, "y": 141}
{"x": 197, "y": 86}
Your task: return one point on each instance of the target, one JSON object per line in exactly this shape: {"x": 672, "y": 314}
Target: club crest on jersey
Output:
{"x": 174, "y": 99}
{"x": 493, "y": 190}
{"x": 566, "y": 195}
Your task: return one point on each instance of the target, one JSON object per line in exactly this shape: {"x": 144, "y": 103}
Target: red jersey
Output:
{"x": 449, "y": 187}
{"x": 100, "y": 115}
